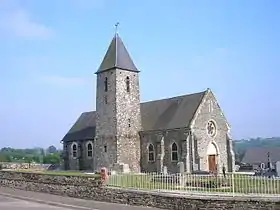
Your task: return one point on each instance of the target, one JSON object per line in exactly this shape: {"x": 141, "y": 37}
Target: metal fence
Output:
{"x": 231, "y": 184}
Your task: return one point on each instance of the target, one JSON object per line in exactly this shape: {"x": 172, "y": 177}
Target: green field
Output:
{"x": 230, "y": 184}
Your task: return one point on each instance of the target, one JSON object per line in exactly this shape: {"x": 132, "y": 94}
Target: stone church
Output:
{"x": 147, "y": 137}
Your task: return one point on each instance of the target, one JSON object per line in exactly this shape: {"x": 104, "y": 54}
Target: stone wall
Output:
{"x": 82, "y": 162}
{"x": 88, "y": 188}
{"x": 19, "y": 166}
{"x": 171, "y": 136}
{"x": 118, "y": 120}
{"x": 210, "y": 111}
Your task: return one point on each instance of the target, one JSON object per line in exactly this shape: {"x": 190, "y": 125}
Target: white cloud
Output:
{"x": 20, "y": 23}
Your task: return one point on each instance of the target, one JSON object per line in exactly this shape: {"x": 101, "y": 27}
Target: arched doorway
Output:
{"x": 212, "y": 154}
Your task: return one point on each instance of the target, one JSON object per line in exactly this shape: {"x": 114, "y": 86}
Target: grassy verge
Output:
{"x": 230, "y": 184}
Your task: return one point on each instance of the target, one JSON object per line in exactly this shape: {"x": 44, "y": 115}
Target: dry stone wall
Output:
{"x": 89, "y": 188}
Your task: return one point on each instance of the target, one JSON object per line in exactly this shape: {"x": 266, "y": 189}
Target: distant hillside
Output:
{"x": 240, "y": 146}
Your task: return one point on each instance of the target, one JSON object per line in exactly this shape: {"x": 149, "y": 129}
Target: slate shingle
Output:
{"x": 258, "y": 155}
{"x": 117, "y": 57}
{"x": 162, "y": 114}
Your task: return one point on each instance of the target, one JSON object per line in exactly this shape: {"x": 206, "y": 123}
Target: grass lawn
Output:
{"x": 232, "y": 183}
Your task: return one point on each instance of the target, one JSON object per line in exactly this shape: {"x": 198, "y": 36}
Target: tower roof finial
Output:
{"x": 116, "y": 28}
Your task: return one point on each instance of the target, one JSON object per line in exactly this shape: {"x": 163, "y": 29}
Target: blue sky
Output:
{"x": 51, "y": 49}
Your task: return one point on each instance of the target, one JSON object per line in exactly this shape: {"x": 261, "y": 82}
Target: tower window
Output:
{"x": 105, "y": 100}
{"x": 105, "y": 148}
{"x": 129, "y": 125}
{"x": 106, "y": 84}
{"x": 127, "y": 84}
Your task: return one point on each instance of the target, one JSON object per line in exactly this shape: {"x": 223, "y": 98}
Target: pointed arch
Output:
{"x": 151, "y": 153}
{"x": 174, "y": 152}
{"x": 213, "y": 148}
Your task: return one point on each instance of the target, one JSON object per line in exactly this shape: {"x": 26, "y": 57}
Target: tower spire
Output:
{"x": 117, "y": 56}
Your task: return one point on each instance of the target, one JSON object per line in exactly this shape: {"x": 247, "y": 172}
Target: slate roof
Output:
{"x": 117, "y": 56}
{"x": 176, "y": 112}
{"x": 258, "y": 155}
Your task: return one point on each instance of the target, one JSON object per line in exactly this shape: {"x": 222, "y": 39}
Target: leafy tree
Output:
{"x": 5, "y": 158}
{"x": 52, "y": 158}
{"x": 51, "y": 149}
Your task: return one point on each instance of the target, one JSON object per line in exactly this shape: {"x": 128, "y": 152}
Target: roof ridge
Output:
{"x": 174, "y": 97}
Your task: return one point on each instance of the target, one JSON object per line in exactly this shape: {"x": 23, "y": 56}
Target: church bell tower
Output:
{"x": 118, "y": 117}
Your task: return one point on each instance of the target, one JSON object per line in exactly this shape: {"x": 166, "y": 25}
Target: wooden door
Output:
{"x": 212, "y": 163}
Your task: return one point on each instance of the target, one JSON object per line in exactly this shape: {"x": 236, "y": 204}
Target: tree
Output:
{"x": 51, "y": 149}
{"x": 5, "y": 158}
{"x": 52, "y": 158}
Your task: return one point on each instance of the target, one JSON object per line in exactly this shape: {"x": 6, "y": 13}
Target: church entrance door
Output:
{"x": 212, "y": 163}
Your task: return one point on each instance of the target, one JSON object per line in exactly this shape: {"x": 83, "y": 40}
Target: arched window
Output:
{"x": 127, "y": 81}
{"x": 106, "y": 84}
{"x": 174, "y": 152}
{"x": 89, "y": 149}
{"x": 151, "y": 155}
{"x": 74, "y": 150}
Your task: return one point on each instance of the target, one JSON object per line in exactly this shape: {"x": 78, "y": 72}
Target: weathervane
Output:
{"x": 116, "y": 27}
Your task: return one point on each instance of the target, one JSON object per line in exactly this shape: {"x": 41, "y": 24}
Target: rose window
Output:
{"x": 211, "y": 128}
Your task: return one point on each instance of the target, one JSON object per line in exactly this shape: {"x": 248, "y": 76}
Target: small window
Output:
{"x": 174, "y": 152}
{"x": 89, "y": 150}
{"x": 105, "y": 148}
{"x": 129, "y": 123}
{"x": 151, "y": 155}
{"x": 74, "y": 150}
{"x": 105, "y": 100}
{"x": 106, "y": 84}
{"x": 127, "y": 84}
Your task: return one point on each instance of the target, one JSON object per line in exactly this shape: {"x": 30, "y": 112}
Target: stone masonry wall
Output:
{"x": 105, "y": 142}
{"x": 171, "y": 136}
{"x": 88, "y": 188}
{"x": 82, "y": 161}
{"x": 118, "y": 120}
{"x": 128, "y": 119}
{"x": 203, "y": 139}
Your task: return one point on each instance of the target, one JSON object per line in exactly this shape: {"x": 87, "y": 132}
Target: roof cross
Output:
{"x": 116, "y": 27}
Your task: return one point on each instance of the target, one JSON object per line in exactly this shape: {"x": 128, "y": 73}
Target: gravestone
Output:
{"x": 164, "y": 170}
{"x": 278, "y": 168}
{"x": 181, "y": 167}
{"x": 181, "y": 173}
{"x": 121, "y": 168}
{"x": 195, "y": 167}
